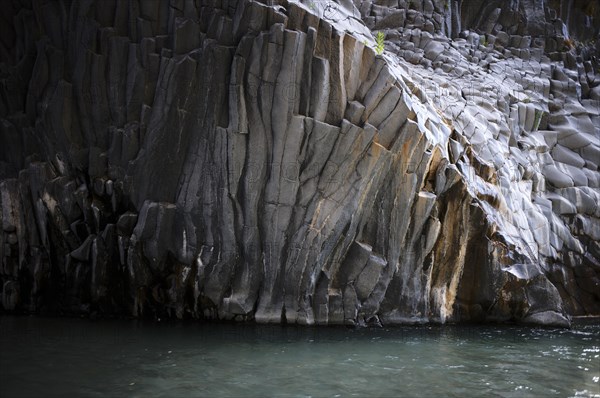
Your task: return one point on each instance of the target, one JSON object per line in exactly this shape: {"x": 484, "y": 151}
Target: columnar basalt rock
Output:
{"x": 258, "y": 161}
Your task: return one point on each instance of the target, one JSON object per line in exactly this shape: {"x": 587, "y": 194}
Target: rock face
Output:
{"x": 257, "y": 160}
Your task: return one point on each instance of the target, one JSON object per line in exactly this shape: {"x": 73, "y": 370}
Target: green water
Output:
{"x": 42, "y": 357}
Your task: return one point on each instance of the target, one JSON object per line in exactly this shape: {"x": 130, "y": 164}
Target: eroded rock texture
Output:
{"x": 256, "y": 160}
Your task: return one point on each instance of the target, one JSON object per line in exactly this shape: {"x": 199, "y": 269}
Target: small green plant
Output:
{"x": 312, "y": 6}
{"x": 483, "y": 41}
{"x": 380, "y": 46}
{"x": 527, "y": 100}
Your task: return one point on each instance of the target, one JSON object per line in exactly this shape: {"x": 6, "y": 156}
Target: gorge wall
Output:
{"x": 259, "y": 161}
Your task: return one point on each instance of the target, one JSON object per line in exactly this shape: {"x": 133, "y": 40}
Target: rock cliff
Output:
{"x": 259, "y": 161}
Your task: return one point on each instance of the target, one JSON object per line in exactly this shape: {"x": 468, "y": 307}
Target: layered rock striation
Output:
{"x": 257, "y": 160}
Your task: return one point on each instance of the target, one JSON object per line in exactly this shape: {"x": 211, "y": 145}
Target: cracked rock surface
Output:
{"x": 259, "y": 161}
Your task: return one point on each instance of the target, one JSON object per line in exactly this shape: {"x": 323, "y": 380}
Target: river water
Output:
{"x": 42, "y": 357}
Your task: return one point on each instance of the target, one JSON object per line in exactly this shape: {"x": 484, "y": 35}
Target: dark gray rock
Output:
{"x": 254, "y": 160}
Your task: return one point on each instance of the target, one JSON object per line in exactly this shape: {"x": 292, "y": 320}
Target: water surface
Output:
{"x": 77, "y": 357}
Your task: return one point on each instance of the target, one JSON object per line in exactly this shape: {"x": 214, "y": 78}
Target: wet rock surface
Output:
{"x": 258, "y": 161}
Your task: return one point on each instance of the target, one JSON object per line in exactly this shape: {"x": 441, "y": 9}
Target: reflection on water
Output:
{"x": 73, "y": 357}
